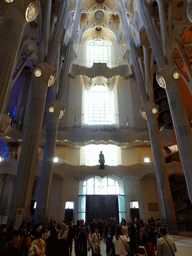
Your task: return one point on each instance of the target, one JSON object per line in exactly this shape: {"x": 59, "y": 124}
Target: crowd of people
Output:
{"x": 127, "y": 238}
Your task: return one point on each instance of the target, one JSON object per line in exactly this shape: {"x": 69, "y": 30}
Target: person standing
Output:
{"x": 165, "y": 245}
{"x": 81, "y": 240}
{"x": 92, "y": 227}
{"x": 11, "y": 248}
{"x": 71, "y": 236}
{"x": 95, "y": 239}
{"x": 101, "y": 161}
{"x": 120, "y": 242}
{"x": 62, "y": 236}
{"x": 52, "y": 244}
{"x": 110, "y": 234}
{"x": 132, "y": 235}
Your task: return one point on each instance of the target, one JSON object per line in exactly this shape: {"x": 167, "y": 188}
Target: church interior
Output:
{"x": 80, "y": 78}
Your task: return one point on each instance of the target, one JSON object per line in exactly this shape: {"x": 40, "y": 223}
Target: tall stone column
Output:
{"x": 22, "y": 101}
{"x": 168, "y": 77}
{"x": 41, "y": 212}
{"x": 57, "y": 109}
{"x": 149, "y": 112}
{"x": 5, "y": 196}
{"x": 11, "y": 33}
{"x": 43, "y": 76}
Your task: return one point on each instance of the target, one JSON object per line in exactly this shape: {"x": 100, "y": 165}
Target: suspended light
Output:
{"x": 37, "y": 72}
{"x": 8, "y": 1}
{"x": 161, "y": 80}
{"x": 154, "y": 110}
{"x": 55, "y": 159}
{"x": 51, "y": 79}
{"x": 147, "y": 160}
{"x": 32, "y": 11}
{"x": 51, "y": 109}
{"x": 176, "y": 74}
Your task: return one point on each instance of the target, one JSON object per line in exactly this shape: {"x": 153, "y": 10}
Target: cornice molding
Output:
{"x": 100, "y": 69}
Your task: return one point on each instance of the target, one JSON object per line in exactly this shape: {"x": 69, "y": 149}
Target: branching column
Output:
{"x": 149, "y": 112}
{"x": 56, "y": 109}
{"x": 11, "y": 33}
{"x": 169, "y": 79}
{"x": 32, "y": 131}
{"x": 21, "y": 105}
{"x": 43, "y": 77}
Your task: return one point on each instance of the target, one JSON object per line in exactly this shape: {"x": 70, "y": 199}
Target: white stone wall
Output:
{"x": 75, "y": 101}
{"x": 150, "y": 195}
{"x": 129, "y": 103}
{"x": 56, "y": 202}
{"x": 132, "y": 190}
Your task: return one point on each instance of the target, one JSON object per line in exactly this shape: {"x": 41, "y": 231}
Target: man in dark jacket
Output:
{"x": 11, "y": 248}
{"x": 81, "y": 240}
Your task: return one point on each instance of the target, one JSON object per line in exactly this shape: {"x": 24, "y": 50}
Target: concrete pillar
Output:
{"x": 11, "y": 32}
{"x": 43, "y": 76}
{"x": 178, "y": 112}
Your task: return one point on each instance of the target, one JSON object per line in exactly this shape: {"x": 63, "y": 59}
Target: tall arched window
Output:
{"x": 98, "y": 186}
{"x": 99, "y": 106}
{"x": 98, "y": 51}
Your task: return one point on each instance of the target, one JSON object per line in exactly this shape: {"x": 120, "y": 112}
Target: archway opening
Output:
{"x": 69, "y": 207}
{"x": 101, "y": 198}
{"x": 134, "y": 210}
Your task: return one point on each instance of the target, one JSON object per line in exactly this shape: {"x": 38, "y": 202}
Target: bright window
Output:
{"x": 134, "y": 204}
{"x": 147, "y": 160}
{"x": 98, "y": 51}
{"x": 99, "y": 106}
{"x": 99, "y": 186}
{"x": 111, "y": 153}
{"x": 69, "y": 205}
{"x": 55, "y": 159}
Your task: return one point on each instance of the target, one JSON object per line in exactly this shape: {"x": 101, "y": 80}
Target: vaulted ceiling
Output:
{"x": 100, "y": 19}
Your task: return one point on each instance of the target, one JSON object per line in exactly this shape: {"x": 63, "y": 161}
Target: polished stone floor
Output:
{"x": 183, "y": 243}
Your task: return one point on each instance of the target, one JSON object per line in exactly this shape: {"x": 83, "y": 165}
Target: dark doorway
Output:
{"x": 68, "y": 215}
{"x": 101, "y": 207}
{"x": 135, "y": 213}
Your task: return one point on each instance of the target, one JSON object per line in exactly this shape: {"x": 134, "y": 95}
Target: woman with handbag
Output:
{"x": 120, "y": 242}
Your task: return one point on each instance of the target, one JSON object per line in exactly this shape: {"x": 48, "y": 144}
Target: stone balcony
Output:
{"x": 102, "y": 134}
